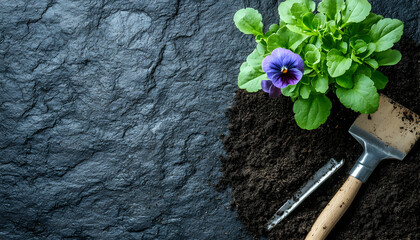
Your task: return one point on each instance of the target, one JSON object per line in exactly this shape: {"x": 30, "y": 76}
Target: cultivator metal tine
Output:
{"x": 314, "y": 182}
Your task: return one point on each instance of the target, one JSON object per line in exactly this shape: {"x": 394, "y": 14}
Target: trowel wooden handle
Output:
{"x": 335, "y": 209}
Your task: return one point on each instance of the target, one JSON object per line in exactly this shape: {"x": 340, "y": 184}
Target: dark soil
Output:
{"x": 269, "y": 157}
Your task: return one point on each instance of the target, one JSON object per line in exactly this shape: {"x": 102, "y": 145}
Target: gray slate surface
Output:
{"x": 111, "y": 111}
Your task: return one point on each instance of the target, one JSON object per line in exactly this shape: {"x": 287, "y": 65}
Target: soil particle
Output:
{"x": 409, "y": 116}
{"x": 269, "y": 158}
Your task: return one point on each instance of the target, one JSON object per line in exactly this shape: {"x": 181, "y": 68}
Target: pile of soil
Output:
{"x": 269, "y": 158}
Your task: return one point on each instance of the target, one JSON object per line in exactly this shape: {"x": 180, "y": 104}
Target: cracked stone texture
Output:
{"x": 111, "y": 111}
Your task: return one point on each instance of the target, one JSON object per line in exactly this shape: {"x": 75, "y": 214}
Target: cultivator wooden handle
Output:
{"x": 390, "y": 132}
{"x": 335, "y": 209}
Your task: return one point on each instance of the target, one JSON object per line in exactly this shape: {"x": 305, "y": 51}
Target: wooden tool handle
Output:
{"x": 335, "y": 209}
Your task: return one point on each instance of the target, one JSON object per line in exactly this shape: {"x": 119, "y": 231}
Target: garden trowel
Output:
{"x": 390, "y": 132}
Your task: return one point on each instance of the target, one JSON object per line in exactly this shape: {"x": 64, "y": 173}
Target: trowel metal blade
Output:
{"x": 314, "y": 182}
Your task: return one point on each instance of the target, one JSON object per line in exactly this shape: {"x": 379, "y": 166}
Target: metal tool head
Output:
{"x": 374, "y": 152}
{"x": 393, "y": 124}
{"x": 390, "y": 132}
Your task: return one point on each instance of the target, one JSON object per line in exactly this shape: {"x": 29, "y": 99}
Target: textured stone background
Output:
{"x": 111, "y": 111}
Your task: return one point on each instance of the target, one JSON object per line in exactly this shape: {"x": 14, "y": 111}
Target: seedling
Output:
{"x": 341, "y": 46}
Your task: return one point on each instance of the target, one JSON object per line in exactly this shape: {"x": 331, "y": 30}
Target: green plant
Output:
{"x": 342, "y": 46}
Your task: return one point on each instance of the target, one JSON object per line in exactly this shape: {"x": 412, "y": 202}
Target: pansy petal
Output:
{"x": 281, "y": 55}
{"x": 295, "y": 61}
{"x": 271, "y": 69}
{"x": 267, "y": 63}
{"x": 287, "y": 58}
{"x": 283, "y": 59}
{"x": 281, "y": 82}
{"x": 274, "y": 75}
{"x": 274, "y": 92}
{"x": 294, "y": 76}
{"x": 265, "y": 85}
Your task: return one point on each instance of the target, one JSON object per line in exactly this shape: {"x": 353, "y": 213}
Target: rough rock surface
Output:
{"x": 110, "y": 113}
{"x": 110, "y": 116}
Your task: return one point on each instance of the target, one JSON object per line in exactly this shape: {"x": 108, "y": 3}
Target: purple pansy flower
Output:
{"x": 283, "y": 68}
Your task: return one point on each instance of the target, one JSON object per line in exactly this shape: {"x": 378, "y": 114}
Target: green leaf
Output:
{"x": 363, "y": 69}
{"x": 331, "y": 8}
{"x": 337, "y": 63}
{"x": 286, "y": 39}
{"x": 298, "y": 10}
{"x": 300, "y": 30}
{"x": 307, "y": 20}
{"x": 362, "y": 98}
{"x": 342, "y": 46}
{"x": 285, "y": 13}
{"x": 370, "y": 49}
{"x": 388, "y": 57}
{"x": 385, "y": 33}
{"x": 328, "y": 42}
{"x": 313, "y": 57}
{"x": 295, "y": 29}
{"x": 308, "y": 71}
{"x": 317, "y": 41}
{"x": 305, "y": 91}
{"x": 298, "y": 50}
{"x": 304, "y": 80}
{"x": 282, "y": 24}
{"x": 274, "y": 27}
{"x": 369, "y": 21}
{"x": 249, "y": 78}
{"x": 312, "y": 112}
{"x": 372, "y": 62}
{"x": 249, "y": 21}
{"x": 332, "y": 26}
{"x": 285, "y": 9}
{"x": 320, "y": 21}
{"x": 379, "y": 79}
{"x": 320, "y": 83}
{"x": 355, "y": 58}
{"x": 345, "y": 81}
{"x": 262, "y": 38}
{"x": 256, "y": 57}
{"x": 290, "y": 90}
{"x": 356, "y": 11}
{"x": 359, "y": 46}
{"x": 310, "y": 47}
{"x": 363, "y": 27}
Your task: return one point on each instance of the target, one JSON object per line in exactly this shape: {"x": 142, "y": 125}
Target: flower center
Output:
{"x": 284, "y": 69}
